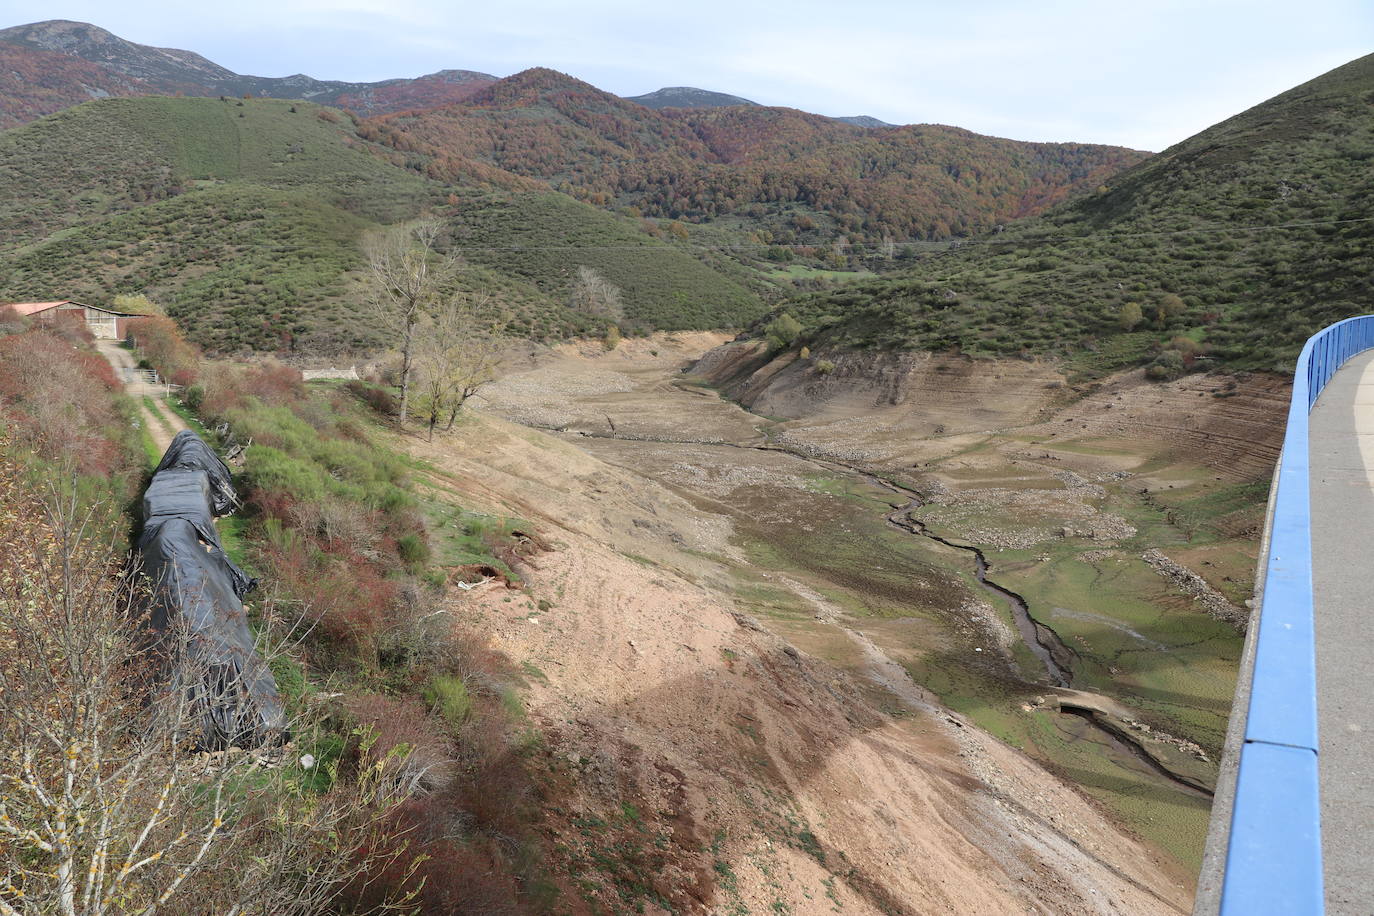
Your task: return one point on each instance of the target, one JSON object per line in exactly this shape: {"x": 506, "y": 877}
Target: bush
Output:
{"x": 448, "y": 696}
{"x": 1166, "y": 367}
{"x": 159, "y": 341}
{"x": 825, "y": 366}
{"x": 272, "y": 383}
{"x": 381, "y": 401}
{"x": 404, "y": 740}
{"x": 1130, "y": 316}
{"x": 60, "y": 402}
{"x": 782, "y": 331}
{"x": 412, "y": 549}
{"x": 271, "y": 471}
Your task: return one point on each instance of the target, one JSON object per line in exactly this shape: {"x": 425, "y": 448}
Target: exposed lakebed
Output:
{"x": 1006, "y": 584}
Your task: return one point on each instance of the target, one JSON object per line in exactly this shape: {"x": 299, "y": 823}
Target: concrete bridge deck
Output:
{"x": 1341, "y": 453}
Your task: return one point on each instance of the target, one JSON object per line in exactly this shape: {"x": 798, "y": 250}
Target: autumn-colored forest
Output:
{"x": 914, "y": 182}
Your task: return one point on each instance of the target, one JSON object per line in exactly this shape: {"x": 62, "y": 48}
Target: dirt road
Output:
{"x": 161, "y": 422}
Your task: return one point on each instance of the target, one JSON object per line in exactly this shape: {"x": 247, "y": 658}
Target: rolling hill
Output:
{"x": 245, "y": 216}
{"x": 796, "y": 178}
{"x": 245, "y": 219}
{"x": 687, "y": 97}
{"x": 1251, "y": 235}
{"x": 74, "y": 55}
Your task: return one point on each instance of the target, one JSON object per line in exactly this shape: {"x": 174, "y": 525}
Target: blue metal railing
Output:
{"x": 1273, "y": 859}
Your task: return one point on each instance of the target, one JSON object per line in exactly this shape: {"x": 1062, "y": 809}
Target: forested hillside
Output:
{"x": 34, "y": 82}
{"x": 1229, "y": 248}
{"x": 800, "y": 178}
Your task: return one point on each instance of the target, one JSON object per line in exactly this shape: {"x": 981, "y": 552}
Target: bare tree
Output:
{"x": 104, "y": 806}
{"x": 592, "y": 294}
{"x": 459, "y": 349}
{"x": 408, "y": 276}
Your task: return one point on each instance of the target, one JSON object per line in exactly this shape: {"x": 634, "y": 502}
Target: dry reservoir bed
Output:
{"x": 1126, "y": 552}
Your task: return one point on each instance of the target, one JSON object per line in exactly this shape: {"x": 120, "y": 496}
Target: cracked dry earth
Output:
{"x": 712, "y": 766}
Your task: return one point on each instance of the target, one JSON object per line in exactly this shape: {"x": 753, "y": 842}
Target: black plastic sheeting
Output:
{"x": 195, "y": 588}
{"x": 189, "y": 452}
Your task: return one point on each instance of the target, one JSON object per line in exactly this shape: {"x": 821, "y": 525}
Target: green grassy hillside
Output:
{"x": 85, "y": 163}
{"x": 1252, "y": 234}
{"x": 246, "y": 218}
{"x": 240, "y": 267}
{"x": 544, "y": 238}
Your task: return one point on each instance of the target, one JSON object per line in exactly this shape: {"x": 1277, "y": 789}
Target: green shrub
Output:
{"x": 449, "y": 697}
{"x": 273, "y": 471}
{"x": 782, "y": 331}
{"x": 1167, "y": 366}
{"x": 413, "y": 549}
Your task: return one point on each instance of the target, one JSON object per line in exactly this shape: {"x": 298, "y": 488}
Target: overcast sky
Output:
{"x": 1144, "y": 74}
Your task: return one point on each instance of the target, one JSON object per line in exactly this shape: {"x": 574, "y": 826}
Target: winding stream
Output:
{"x": 1039, "y": 637}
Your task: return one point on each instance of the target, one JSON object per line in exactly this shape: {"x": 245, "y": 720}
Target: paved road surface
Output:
{"x": 1342, "y": 481}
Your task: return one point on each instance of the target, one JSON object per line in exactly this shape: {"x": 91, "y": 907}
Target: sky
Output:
{"x": 1144, "y": 74}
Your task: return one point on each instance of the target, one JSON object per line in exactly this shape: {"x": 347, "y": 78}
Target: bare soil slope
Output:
{"x": 1123, "y": 514}
{"x": 758, "y": 776}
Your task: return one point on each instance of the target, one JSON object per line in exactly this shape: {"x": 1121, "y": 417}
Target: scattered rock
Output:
{"x": 1214, "y": 601}
{"x": 749, "y": 623}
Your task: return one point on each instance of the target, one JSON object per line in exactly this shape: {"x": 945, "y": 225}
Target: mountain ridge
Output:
{"x": 800, "y": 177}
{"x": 1230, "y": 247}
{"x": 138, "y": 69}
{"x": 171, "y": 71}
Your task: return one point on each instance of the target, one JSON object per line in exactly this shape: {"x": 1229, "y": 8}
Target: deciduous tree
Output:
{"x": 408, "y": 276}
{"x": 459, "y": 349}
{"x": 592, "y": 294}
{"x": 1130, "y": 316}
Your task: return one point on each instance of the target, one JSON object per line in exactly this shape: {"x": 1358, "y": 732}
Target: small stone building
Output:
{"x": 102, "y": 322}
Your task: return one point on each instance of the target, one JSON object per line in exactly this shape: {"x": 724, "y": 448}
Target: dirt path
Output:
{"x": 162, "y": 425}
